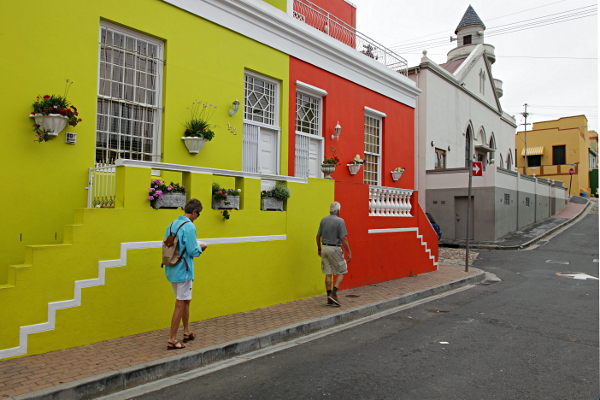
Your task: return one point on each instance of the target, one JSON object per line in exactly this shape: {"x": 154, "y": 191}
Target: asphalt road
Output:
{"x": 534, "y": 335}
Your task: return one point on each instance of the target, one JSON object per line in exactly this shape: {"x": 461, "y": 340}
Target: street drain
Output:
{"x": 488, "y": 282}
{"x": 352, "y": 295}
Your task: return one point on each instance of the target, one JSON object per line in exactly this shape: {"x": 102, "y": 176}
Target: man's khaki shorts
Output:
{"x": 332, "y": 260}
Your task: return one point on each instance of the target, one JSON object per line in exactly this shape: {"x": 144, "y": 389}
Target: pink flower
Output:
{"x": 220, "y": 192}
{"x": 169, "y": 188}
{"x": 151, "y": 189}
{"x": 150, "y": 197}
{"x": 226, "y": 194}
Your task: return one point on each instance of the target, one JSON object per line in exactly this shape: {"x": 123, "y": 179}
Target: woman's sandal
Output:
{"x": 187, "y": 338}
{"x": 175, "y": 346}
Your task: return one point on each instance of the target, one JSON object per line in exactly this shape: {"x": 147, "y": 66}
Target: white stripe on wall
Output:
{"x": 102, "y": 265}
{"x": 416, "y": 230}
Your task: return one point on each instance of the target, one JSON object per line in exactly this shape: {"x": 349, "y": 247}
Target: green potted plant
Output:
{"x": 273, "y": 199}
{"x": 52, "y": 113}
{"x": 198, "y": 130}
{"x": 162, "y": 195}
{"x": 224, "y": 199}
{"x": 329, "y": 164}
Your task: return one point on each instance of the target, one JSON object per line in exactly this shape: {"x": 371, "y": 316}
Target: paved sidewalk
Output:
{"x": 97, "y": 369}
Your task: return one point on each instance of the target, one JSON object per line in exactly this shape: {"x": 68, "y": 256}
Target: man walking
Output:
{"x": 181, "y": 275}
{"x": 331, "y": 235}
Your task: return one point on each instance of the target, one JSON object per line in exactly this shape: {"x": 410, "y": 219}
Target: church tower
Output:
{"x": 470, "y": 33}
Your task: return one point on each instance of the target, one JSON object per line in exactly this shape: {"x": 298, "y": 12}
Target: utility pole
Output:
{"x": 525, "y": 114}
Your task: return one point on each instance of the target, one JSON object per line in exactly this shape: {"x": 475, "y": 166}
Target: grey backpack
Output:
{"x": 170, "y": 249}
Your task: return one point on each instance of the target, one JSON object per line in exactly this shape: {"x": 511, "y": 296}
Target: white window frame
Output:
{"x": 157, "y": 108}
{"x": 378, "y": 115}
{"x": 246, "y": 160}
{"x": 316, "y": 93}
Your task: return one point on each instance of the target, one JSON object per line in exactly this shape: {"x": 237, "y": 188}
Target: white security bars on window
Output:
{"x": 302, "y": 156}
{"x": 315, "y": 16}
{"x": 389, "y": 202}
{"x": 102, "y": 186}
{"x": 372, "y": 149}
{"x": 260, "y": 100}
{"x": 250, "y": 148}
{"x": 129, "y": 101}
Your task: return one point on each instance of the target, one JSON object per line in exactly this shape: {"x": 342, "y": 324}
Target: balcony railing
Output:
{"x": 102, "y": 186}
{"x": 389, "y": 202}
{"x": 320, "y": 19}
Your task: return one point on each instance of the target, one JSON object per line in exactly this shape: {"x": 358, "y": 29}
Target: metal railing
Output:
{"x": 322, "y": 20}
{"x": 389, "y": 202}
{"x": 102, "y": 186}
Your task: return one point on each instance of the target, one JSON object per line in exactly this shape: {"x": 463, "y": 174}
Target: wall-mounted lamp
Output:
{"x": 338, "y": 130}
{"x": 235, "y": 106}
{"x": 449, "y": 148}
{"x": 432, "y": 143}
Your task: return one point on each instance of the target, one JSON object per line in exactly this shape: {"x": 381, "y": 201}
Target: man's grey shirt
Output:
{"x": 332, "y": 229}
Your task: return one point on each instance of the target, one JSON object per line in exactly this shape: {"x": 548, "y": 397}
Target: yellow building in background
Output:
{"x": 554, "y": 148}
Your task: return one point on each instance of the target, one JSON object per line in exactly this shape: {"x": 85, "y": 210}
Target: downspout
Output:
{"x": 417, "y": 158}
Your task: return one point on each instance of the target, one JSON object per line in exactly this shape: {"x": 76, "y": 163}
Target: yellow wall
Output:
{"x": 136, "y": 297}
{"x": 47, "y": 181}
{"x": 569, "y": 131}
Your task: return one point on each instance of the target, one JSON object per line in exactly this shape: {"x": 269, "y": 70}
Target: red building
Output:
{"x": 373, "y": 103}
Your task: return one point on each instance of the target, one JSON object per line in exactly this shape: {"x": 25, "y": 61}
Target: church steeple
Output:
{"x": 469, "y": 33}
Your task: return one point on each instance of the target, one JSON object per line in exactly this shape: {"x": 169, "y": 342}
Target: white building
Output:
{"x": 459, "y": 118}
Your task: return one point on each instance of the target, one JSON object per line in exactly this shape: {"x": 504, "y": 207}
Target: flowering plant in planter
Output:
{"x": 198, "y": 125}
{"x": 333, "y": 161}
{"x": 159, "y": 188}
{"x": 279, "y": 192}
{"x": 221, "y": 194}
{"x": 399, "y": 169}
{"x": 357, "y": 160}
{"x": 53, "y": 105}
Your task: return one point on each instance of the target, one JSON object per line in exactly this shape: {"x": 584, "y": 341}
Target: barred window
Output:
{"x": 260, "y": 100}
{"x": 372, "y": 150}
{"x": 307, "y": 114}
{"x": 129, "y": 101}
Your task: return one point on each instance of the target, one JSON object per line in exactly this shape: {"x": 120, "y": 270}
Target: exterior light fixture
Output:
{"x": 235, "y": 106}
{"x": 338, "y": 130}
{"x": 449, "y": 148}
{"x": 432, "y": 143}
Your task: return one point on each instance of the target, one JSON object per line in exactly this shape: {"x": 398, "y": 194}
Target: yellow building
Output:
{"x": 555, "y": 149}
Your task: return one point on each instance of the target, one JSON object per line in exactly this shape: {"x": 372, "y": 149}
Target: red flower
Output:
{"x": 79, "y": 120}
{"x": 68, "y": 110}
{"x": 46, "y": 96}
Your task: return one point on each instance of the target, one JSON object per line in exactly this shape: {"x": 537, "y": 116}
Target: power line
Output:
{"x": 546, "y": 20}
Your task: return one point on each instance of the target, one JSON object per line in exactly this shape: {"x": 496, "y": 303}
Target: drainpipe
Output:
{"x": 422, "y": 196}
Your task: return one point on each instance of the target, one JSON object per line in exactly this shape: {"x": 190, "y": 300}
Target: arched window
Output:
{"x": 492, "y": 155}
{"x": 501, "y": 161}
{"x": 509, "y": 161}
{"x": 468, "y": 151}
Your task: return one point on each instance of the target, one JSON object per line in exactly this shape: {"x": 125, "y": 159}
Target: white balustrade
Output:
{"x": 389, "y": 202}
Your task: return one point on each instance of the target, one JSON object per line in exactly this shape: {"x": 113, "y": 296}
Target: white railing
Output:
{"x": 320, "y": 19}
{"x": 102, "y": 186}
{"x": 389, "y": 202}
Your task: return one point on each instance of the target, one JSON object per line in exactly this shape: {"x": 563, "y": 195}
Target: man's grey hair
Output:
{"x": 335, "y": 207}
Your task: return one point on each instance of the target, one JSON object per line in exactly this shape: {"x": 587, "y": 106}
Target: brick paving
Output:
{"x": 27, "y": 374}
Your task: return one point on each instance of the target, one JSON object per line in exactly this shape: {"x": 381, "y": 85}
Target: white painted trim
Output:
{"x": 416, "y": 230}
{"x": 310, "y": 89}
{"x": 376, "y": 113}
{"x": 202, "y": 170}
{"x": 265, "y": 24}
{"x": 25, "y": 331}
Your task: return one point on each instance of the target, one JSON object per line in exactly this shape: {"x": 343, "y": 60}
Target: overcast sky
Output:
{"x": 554, "y": 68}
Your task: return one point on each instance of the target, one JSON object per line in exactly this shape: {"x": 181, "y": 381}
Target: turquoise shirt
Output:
{"x": 187, "y": 240}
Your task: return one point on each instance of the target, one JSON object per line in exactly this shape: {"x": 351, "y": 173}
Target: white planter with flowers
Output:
{"x": 231, "y": 203}
{"x": 271, "y": 204}
{"x": 194, "y": 144}
{"x": 51, "y": 124}
{"x": 170, "y": 200}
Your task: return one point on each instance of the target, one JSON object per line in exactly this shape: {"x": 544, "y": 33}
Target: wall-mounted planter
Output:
{"x": 353, "y": 168}
{"x": 327, "y": 170}
{"x": 170, "y": 200}
{"x": 271, "y": 203}
{"x": 396, "y": 175}
{"x": 52, "y": 124}
{"x": 233, "y": 203}
{"x": 194, "y": 144}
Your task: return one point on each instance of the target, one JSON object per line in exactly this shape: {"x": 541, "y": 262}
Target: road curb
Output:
{"x": 126, "y": 378}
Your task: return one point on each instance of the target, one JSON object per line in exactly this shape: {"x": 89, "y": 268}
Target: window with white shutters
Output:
{"x": 372, "y": 161}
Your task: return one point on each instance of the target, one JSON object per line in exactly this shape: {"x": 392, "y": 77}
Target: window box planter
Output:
{"x": 194, "y": 144}
{"x": 353, "y": 168}
{"x": 53, "y": 123}
{"x": 327, "y": 170}
{"x": 234, "y": 203}
{"x": 170, "y": 200}
{"x": 271, "y": 204}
